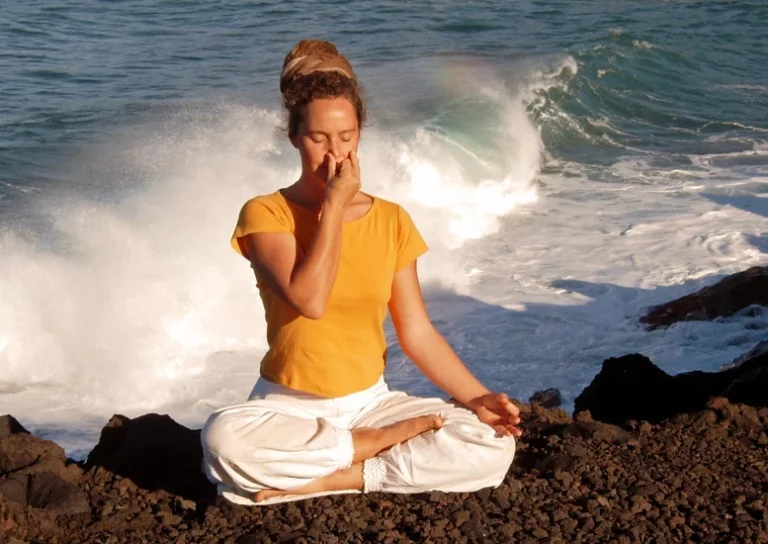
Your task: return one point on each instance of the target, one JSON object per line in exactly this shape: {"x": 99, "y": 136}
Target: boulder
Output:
{"x": 9, "y": 425}
{"x": 23, "y": 453}
{"x": 549, "y": 398}
{"x": 35, "y": 472}
{"x": 633, "y": 388}
{"x": 46, "y": 490}
{"x": 629, "y": 387}
{"x": 750, "y": 381}
{"x": 759, "y": 349}
{"x": 601, "y": 432}
{"x": 727, "y": 297}
{"x": 155, "y": 452}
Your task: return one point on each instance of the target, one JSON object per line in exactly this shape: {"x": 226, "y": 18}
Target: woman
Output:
{"x": 329, "y": 259}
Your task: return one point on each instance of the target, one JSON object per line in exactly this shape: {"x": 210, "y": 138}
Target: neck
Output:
{"x": 308, "y": 192}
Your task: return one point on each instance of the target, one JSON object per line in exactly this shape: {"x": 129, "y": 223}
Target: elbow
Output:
{"x": 413, "y": 342}
{"x": 311, "y": 313}
{"x": 311, "y": 309}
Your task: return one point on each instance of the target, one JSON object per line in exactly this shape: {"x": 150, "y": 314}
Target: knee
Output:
{"x": 216, "y": 436}
{"x": 489, "y": 453}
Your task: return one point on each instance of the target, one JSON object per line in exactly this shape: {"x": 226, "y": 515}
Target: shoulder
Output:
{"x": 269, "y": 202}
{"x": 270, "y": 205}
{"x": 390, "y": 209}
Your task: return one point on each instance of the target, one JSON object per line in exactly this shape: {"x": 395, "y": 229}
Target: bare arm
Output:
{"x": 430, "y": 352}
{"x": 303, "y": 280}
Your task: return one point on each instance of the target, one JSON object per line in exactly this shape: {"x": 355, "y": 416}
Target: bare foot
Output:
{"x": 369, "y": 441}
{"x": 347, "y": 478}
{"x": 265, "y": 494}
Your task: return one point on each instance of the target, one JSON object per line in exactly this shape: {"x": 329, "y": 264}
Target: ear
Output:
{"x": 294, "y": 140}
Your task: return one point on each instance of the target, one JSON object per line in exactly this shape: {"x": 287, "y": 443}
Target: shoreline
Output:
{"x": 645, "y": 457}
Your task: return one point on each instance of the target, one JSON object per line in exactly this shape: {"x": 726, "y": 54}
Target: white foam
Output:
{"x": 140, "y": 304}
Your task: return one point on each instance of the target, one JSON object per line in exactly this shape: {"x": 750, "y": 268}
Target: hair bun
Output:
{"x": 310, "y": 56}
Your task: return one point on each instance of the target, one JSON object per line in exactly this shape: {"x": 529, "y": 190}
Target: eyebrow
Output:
{"x": 324, "y": 133}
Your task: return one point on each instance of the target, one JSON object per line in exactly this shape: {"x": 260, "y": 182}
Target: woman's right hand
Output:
{"x": 342, "y": 186}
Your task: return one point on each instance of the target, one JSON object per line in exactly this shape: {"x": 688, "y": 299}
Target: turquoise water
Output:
{"x": 570, "y": 163}
{"x": 675, "y": 78}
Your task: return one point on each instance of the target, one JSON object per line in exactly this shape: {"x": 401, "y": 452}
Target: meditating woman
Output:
{"x": 329, "y": 260}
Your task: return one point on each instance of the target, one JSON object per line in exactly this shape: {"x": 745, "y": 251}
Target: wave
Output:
{"x": 136, "y": 283}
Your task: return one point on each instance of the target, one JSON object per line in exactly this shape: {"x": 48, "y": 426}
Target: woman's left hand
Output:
{"x": 498, "y": 411}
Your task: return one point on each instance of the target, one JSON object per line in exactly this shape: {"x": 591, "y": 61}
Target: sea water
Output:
{"x": 570, "y": 164}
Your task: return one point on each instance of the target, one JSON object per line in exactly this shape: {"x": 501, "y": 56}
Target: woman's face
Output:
{"x": 329, "y": 126}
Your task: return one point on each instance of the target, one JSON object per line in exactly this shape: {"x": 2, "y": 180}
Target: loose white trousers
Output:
{"x": 283, "y": 439}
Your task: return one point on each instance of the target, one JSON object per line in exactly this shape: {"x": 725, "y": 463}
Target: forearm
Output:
{"x": 314, "y": 276}
{"x": 439, "y": 362}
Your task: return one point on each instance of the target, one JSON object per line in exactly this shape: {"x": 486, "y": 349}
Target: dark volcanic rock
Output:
{"x": 14, "y": 487}
{"x": 34, "y": 472}
{"x": 623, "y": 390}
{"x": 633, "y": 388}
{"x": 698, "y": 477}
{"x": 549, "y": 398}
{"x": 155, "y": 452}
{"x": 23, "y": 453}
{"x": 728, "y": 296}
{"x": 9, "y": 426}
{"x": 750, "y": 381}
{"x": 47, "y": 490}
{"x": 598, "y": 431}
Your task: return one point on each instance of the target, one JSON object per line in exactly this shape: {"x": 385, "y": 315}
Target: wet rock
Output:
{"x": 760, "y": 349}
{"x": 548, "y": 398}
{"x": 727, "y": 297}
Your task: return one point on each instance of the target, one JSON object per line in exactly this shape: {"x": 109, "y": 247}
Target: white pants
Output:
{"x": 283, "y": 439}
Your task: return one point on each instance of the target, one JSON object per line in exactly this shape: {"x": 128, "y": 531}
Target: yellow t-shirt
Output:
{"x": 345, "y": 350}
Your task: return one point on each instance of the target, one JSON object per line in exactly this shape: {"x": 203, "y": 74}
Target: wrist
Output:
{"x": 332, "y": 210}
{"x": 475, "y": 401}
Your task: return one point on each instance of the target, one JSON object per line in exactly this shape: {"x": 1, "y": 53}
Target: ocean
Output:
{"x": 570, "y": 163}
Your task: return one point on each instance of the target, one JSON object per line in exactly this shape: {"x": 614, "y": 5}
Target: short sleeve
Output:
{"x": 257, "y": 216}
{"x": 410, "y": 244}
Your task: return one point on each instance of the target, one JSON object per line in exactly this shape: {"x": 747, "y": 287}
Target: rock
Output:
{"x": 14, "y": 487}
{"x": 596, "y": 430}
{"x": 156, "y": 453}
{"x": 750, "y": 381}
{"x": 9, "y": 425}
{"x": 760, "y": 349}
{"x": 49, "y": 491}
{"x": 548, "y": 398}
{"x": 24, "y": 453}
{"x": 728, "y": 296}
{"x": 620, "y": 392}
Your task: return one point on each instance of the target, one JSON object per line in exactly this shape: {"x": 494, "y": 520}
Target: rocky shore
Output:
{"x": 647, "y": 457}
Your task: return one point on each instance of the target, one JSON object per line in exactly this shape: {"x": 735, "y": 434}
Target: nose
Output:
{"x": 334, "y": 147}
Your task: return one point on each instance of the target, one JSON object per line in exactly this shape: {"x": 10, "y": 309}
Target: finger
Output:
{"x": 508, "y": 405}
{"x": 502, "y": 430}
{"x": 346, "y": 166}
{"x": 331, "y": 166}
